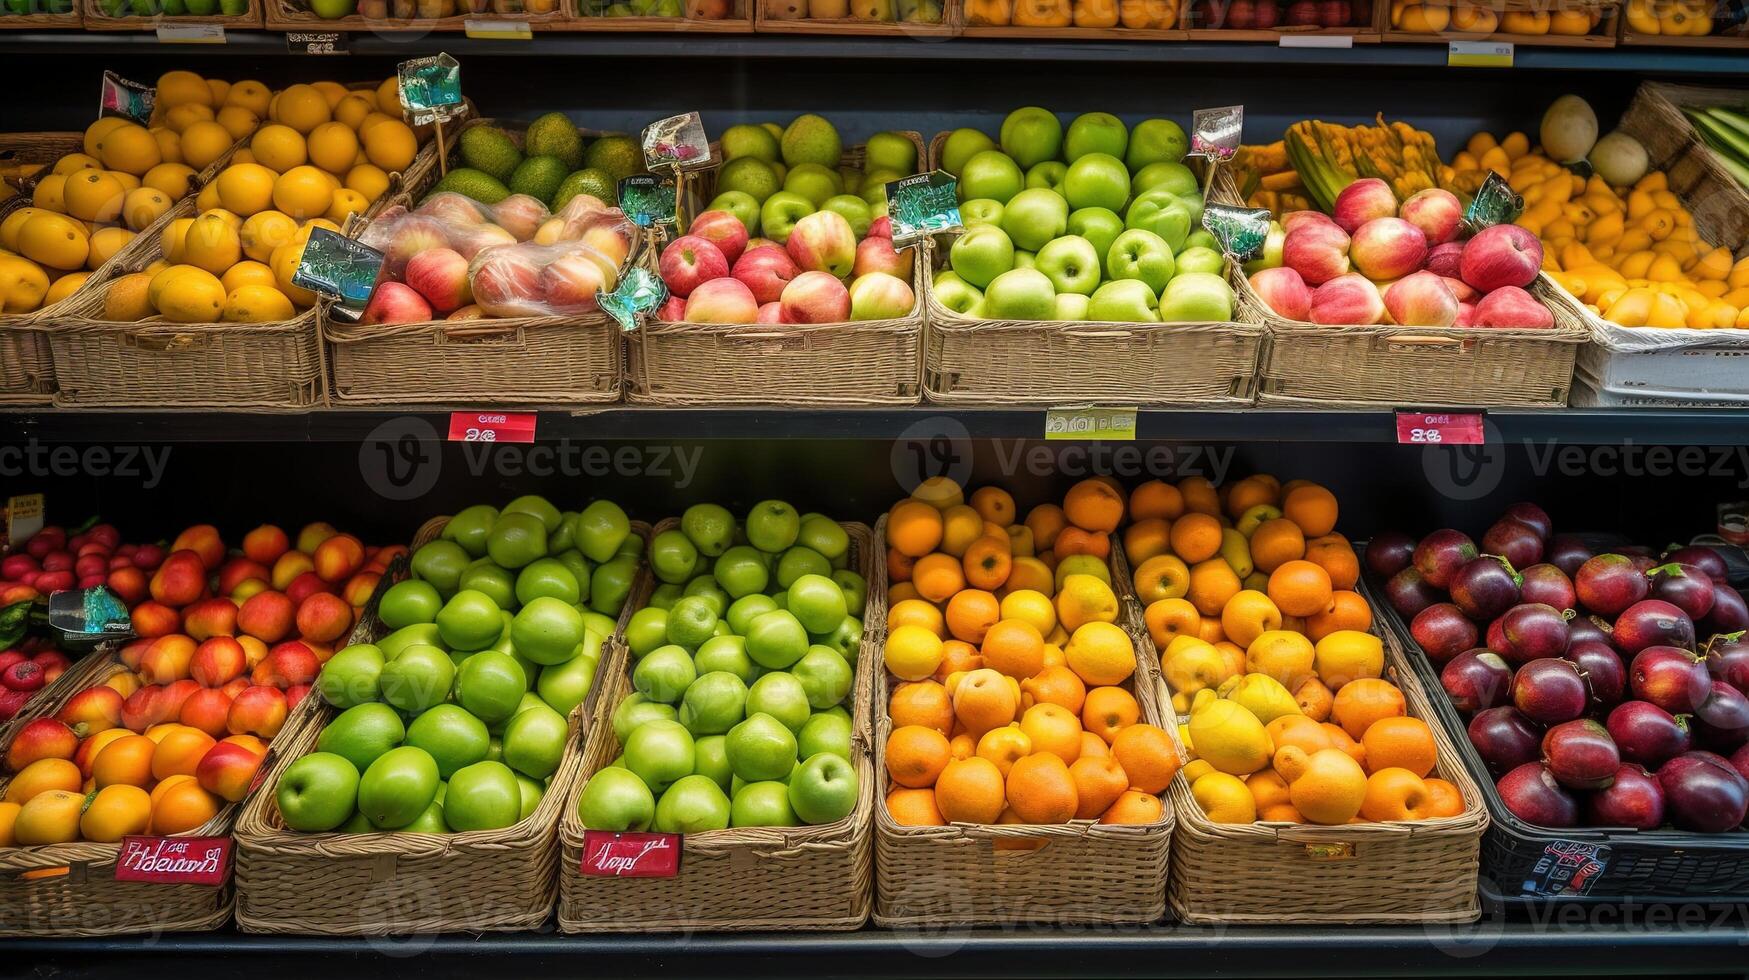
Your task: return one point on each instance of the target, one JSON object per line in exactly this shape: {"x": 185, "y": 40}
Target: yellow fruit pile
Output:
{"x": 324, "y": 154}
{"x": 1682, "y": 18}
{"x": 1472, "y": 18}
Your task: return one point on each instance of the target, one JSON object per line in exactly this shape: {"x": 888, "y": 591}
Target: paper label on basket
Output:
{"x": 1241, "y": 232}
{"x": 635, "y": 299}
{"x": 90, "y": 614}
{"x": 24, "y": 517}
{"x": 676, "y": 143}
{"x": 1495, "y": 203}
{"x": 128, "y": 99}
{"x": 1479, "y": 54}
{"x": 317, "y": 42}
{"x": 498, "y": 30}
{"x": 191, "y": 33}
{"x": 1567, "y": 867}
{"x": 492, "y": 426}
{"x": 1214, "y": 133}
{"x": 431, "y": 88}
{"x": 1440, "y": 429}
{"x": 1090, "y": 424}
{"x": 617, "y": 854}
{"x": 174, "y": 860}
{"x": 648, "y": 199}
{"x": 337, "y": 266}
{"x": 922, "y": 205}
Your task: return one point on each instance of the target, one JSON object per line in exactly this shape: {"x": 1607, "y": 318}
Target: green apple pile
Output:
{"x": 1096, "y": 222}
{"x": 773, "y": 176}
{"x": 744, "y": 660}
{"x": 457, "y": 719}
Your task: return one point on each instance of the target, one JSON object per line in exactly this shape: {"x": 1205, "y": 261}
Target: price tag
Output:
{"x": 676, "y": 143}
{"x": 128, "y": 99}
{"x": 616, "y": 854}
{"x": 1315, "y": 41}
{"x": 635, "y": 299}
{"x": 337, "y": 266}
{"x": 498, "y": 30}
{"x": 191, "y": 34}
{"x": 1567, "y": 867}
{"x": 431, "y": 88}
{"x": 1090, "y": 424}
{"x": 174, "y": 860}
{"x": 491, "y": 426}
{"x": 922, "y": 205}
{"x": 1440, "y": 429}
{"x": 1214, "y": 133}
{"x": 317, "y": 42}
{"x": 1479, "y": 54}
{"x": 24, "y": 517}
{"x": 1495, "y": 203}
{"x": 1241, "y": 232}
{"x": 86, "y": 617}
{"x": 648, "y": 199}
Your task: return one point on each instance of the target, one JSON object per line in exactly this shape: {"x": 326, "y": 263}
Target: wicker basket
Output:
{"x": 766, "y": 21}
{"x": 741, "y": 879}
{"x": 85, "y": 672}
{"x": 1210, "y": 24}
{"x": 71, "y": 20}
{"x": 27, "y": 372}
{"x": 1602, "y": 34}
{"x": 550, "y": 360}
{"x": 737, "y": 19}
{"x": 96, "y": 20}
{"x": 295, "y": 15}
{"x": 966, "y": 874}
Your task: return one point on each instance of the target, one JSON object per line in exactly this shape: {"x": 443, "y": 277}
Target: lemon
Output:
{"x": 256, "y": 304}
{"x": 352, "y": 110}
{"x": 204, "y": 142}
{"x": 48, "y": 193}
{"x": 128, "y": 181}
{"x": 23, "y": 284}
{"x": 231, "y": 219}
{"x": 170, "y": 179}
{"x": 219, "y": 89}
{"x": 125, "y": 301}
{"x": 346, "y": 204}
{"x": 95, "y": 132}
{"x": 105, "y": 243}
{"x": 391, "y": 145}
{"x": 92, "y": 195}
{"x": 246, "y": 188}
{"x": 179, "y": 87}
{"x": 312, "y": 224}
{"x": 284, "y": 262}
{"x": 54, "y": 240}
{"x": 169, "y": 144}
{"x": 170, "y": 242}
{"x": 333, "y": 146}
{"x": 179, "y": 118}
{"x": 249, "y": 94}
{"x": 371, "y": 120}
{"x": 208, "y": 198}
{"x": 278, "y": 147}
{"x": 9, "y": 227}
{"x": 389, "y": 96}
{"x": 1230, "y": 738}
{"x": 193, "y": 297}
{"x": 303, "y": 107}
{"x": 265, "y": 231}
{"x": 76, "y": 161}
{"x": 64, "y": 287}
{"x": 131, "y": 149}
{"x": 303, "y": 192}
{"x": 242, "y": 154}
{"x": 1224, "y": 798}
{"x": 211, "y": 244}
{"x": 162, "y": 278}
{"x": 368, "y": 179}
{"x": 333, "y": 92}
{"x": 247, "y": 273}
{"x": 238, "y": 121}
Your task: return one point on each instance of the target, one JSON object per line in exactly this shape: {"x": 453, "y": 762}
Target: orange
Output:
{"x": 1099, "y": 781}
{"x": 963, "y": 746}
{"x": 914, "y": 808}
{"x": 1348, "y": 655}
{"x": 916, "y": 755}
{"x": 1109, "y": 710}
{"x": 984, "y": 700}
{"x": 1312, "y": 507}
{"x": 1248, "y": 615}
{"x": 1348, "y": 611}
{"x": 1268, "y": 789}
{"x": 1094, "y": 505}
{"x": 921, "y": 703}
{"x": 1251, "y": 492}
{"x": 9, "y": 820}
{"x": 1092, "y": 746}
{"x": 1444, "y": 799}
{"x": 1147, "y": 538}
{"x": 1134, "y": 807}
{"x": 1041, "y": 790}
{"x": 971, "y": 791}
{"x": 1010, "y": 818}
{"x": 960, "y": 526}
{"x": 1029, "y": 574}
{"x": 1300, "y": 588}
{"x": 125, "y": 761}
{"x": 43, "y": 776}
{"x": 1326, "y": 786}
{"x": 1400, "y": 743}
{"x": 1282, "y": 654}
{"x": 182, "y": 808}
{"x": 1147, "y": 753}
{"x": 1196, "y": 537}
{"x": 912, "y": 653}
{"x": 917, "y": 612}
{"x": 179, "y": 752}
{"x": 957, "y": 656}
{"x": 899, "y": 565}
{"x": 1300, "y": 732}
{"x": 1212, "y": 583}
{"x": 1212, "y": 631}
{"x": 1280, "y": 813}
{"x": 1073, "y": 540}
{"x": 1167, "y": 619}
{"x": 940, "y": 492}
{"x": 1045, "y": 521}
{"x": 914, "y": 528}
{"x": 987, "y": 562}
{"x": 1396, "y": 794}
{"x": 1054, "y": 729}
{"x": 993, "y": 504}
{"x": 1334, "y": 554}
{"x": 1314, "y": 699}
{"x": 1054, "y": 685}
{"x": 971, "y": 613}
{"x": 1344, "y": 741}
{"x": 1101, "y": 653}
{"x": 1004, "y": 746}
{"x": 1156, "y": 499}
{"x": 1275, "y": 543}
{"x": 1200, "y": 496}
{"x": 1360, "y": 703}
{"x": 1014, "y": 648}
{"x": 939, "y": 576}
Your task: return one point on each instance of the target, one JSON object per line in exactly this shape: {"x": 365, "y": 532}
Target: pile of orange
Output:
{"x": 1009, "y": 704}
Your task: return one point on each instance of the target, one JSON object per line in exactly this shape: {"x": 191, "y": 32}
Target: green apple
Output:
{"x": 762, "y": 804}
{"x": 351, "y": 676}
{"x": 1031, "y": 135}
{"x": 705, "y": 587}
{"x": 750, "y": 176}
{"x": 814, "y": 182}
{"x": 1025, "y": 260}
{"x": 714, "y": 703}
{"x": 853, "y": 209}
{"x": 691, "y": 621}
{"x": 747, "y": 140}
{"x": 825, "y": 676}
{"x": 890, "y": 151}
{"x": 578, "y": 566}
{"x": 1101, "y": 226}
{"x": 547, "y": 631}
{"x": 665, "y": 674}
{"x": 1161, "y": 212}
{"x": 777, "y": 639}
{"x": 469, "y": 621}
{"x": 430, "y": 820}
{"x": 824, "y": 535}
{"x": 1072, "y": 306}
{"x": 798, "y": 561}
{"x": 960, "y": 146}
{"x": 451, "y": 736}
{"x": 610, "y": 583}
{"x": 781, "y": 695}
{"x": 470, "y": 527}
{"x": 726, "y": 653}
{"x": 646, "y": 630}
{"x": 874, "y": 189}
{"x": 1200, "y": 237}
{"x": 419, "y": 634}
{"x": 440, "y": 562}
{"x": 482, "y": 796}
{"x": 1196, "y": 258}
{"x": 1123, "y": 301}
{"x": 397, "y": 787}
{"x": 537, "y": 506}
{"x": 694, "y": 804}
{"x": 981, "y": 211}
{"x": 1096, "y": 132}
{"x": 991, "y": 174}
{"x": 672, "y": 556}
{"x": 854, "y": 587}
{"x": 1270, "y": 258}
{"x": 957, "y": 295}
{"x": 534, "y": 741}
{"x": 417, "y": 679}
{"x": 490, "y": 581}
{"x": 531, "y": 793}
{"x": 490, "y": 685}
{"x": 1034, "y": 217}
{"x": 772, "y": 526}
{"x": 564, "y": 536}
{"x": 600, "y": 529}
{"x": 743, "y": 611}
{"x": 635, "y": 710}
{"x": 780, "y": 212}
{"x": 1193, "y": 297}
{"x": 547, "y": 577}
{"x": 616, "y": 799}
{"x": 664, "y": 597}
{"x": 317, "y": 792}
{"x": 1047, "y": 175}
{"x": 1097, "y": 180}
{"x": 710, "y": 756}
{"x": 761, "y": 747}
{"x": 824, "y": 789}
{"x": 1020, "y": 294}
{"x": 1071, "y": 263}
{"x": 660, "y": 752}
{"x": 846, "y": 638}
{"x": 981, "y": 254}
{"x": 710, "y": 528}
{"x": 1174, "y": 177}
{"x": 741, "y": 571}
{"x": 1141, "y": 255}
{"x": 360, "y": 734}
{"x": 740, "y": 204}
{"x": 817, "y": 602}
{"x": 564, "y": 686}
{"x": 1155, "y": 141}
{"x": 516, "y": 539}
{"x": 358, "y": 823}
{"x": 825, "y": 731}
{"x": 407, "y": 602}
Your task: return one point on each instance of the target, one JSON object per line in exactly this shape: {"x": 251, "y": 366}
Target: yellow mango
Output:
{"x": 1667, "y": 312}
{"x": 1634, "y": 264}
{"x": 1631, "y": 308}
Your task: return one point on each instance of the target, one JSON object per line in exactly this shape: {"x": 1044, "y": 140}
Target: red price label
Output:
{"x": 1440, "y": 429}
{"x": 614, "y": 854}
{"x": 491, "y": 426}
{"x": 174, "y": 860}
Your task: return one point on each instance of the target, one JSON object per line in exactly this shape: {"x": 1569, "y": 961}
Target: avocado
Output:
{"x": 619, "y": 156}
{"x": 596, "y": 183}
{"x": 480, "y": 186}
{"x": 539, "y": 177}
{"x": 489, "y": 151}
{"x": 554, "y": 135}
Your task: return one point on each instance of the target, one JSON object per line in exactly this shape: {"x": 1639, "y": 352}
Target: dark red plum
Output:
{"x": 1705, "y": 558}
{"x": 1590, "y": 628}
{"x": 1533, "y": 795}
{"x": 1671, "y": 678}
{"x": 1548, "y": 585}
{"x": 1534, "y": 631}
{"x": 1409, "y": 593}
{"x": 1505, "y": 739}
{"x": 1476, "y": 679}
{"x": 1580, "y": 754}
{"x": 1441, "y": 554}
{"x": 1605, "y": 675}
{"x": 1704, "y": 792}
{"x": 1686, "y": 587}
{"x": 1532, "y": 516}
{"x": 1495, "y": 638}
{"x": 1646, "y": 734}
{"x": 1730, "y": 614}
{"x": 1608, "y": 584}
{"x": 1484, "y": 588}
{"x": 1652, "y": 623}
{"x": 1389, "y": 552}
{"x": 1549, "y": 691}
{"x": 1443, "y": 631}
{"x": 1567, "y": 552}
{"x": 1727, "y": 659}
{"x": 1516, "y": 542}
{"x": 1740, "y": 761}
{"x": 1721, "y": 723}
{"x": 1633, "y": 799}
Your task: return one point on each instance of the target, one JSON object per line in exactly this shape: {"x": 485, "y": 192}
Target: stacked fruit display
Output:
{"x": 1266, "y": 14}
{"x": 1380, "y": 262}
{"x": 689, "y": 9}
{"x": 1058, "y": 14}
{"x": 1685, "y": 18}
{"x": 17, "y": 7}
{"x": 25, "y": 671}
{"x": 872, "y": 11}
{"x": 425, "y": 10}
{"x": 1267, "y": 648}
{"x": 1044, "y": 240}
{"x": 457, "y": 719}
{"x": 1578, "y": 671}
{"x": 1013, "y": 703}
{"x": 1472, "y": 18}
{"x": 756, "y": 643}
{"x": 53, "y": 559}
{"x": 324, "y": 154}
{"x": 773, "y": 176}
{"x": 553, "y": 163}
{"x": 174, "y": 8}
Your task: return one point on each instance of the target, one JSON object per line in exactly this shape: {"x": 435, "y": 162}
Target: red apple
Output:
{"x": 1362, "y": 201}
{"x": 765, "y": 270}
{"x": 1502, "y": 255}
{"x": 441, "y": 276}
{"x": 823, "y": 242}
{"x": 724, "y": 300}
{"x": 690, "y": 261}
{"x": 1284, "y": 291}
{"x": 874, "y": 254}
{"x": 771, "y": 312}
{"x": 1387, "y": 248}
{"x": 816, "y": 297}
{"x": 879, "y": 296}
{"x": 571, "y": 282}
{"x": 723, "y": 230}
{"x": 395, "y": 302}
{"x": 1318, "y": 252}
{"x": 1436, "y": 211}
{"x": 1513, "y": 308}
{"x": 1421, "y": 299}
{"x": 1347, "y": 299}
{"x": 520, "y": 215}
{"x": 506, "y": 282}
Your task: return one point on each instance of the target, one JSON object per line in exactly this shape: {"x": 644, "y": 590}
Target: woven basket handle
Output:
{"x": 1402, "y": 342}
{"x": 1100, "y": 334}
{"x": 475, "y": 334}
{"x": 166, "y": 345}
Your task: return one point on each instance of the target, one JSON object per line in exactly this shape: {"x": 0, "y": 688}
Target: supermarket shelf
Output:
{"x": 1673, "y": 427}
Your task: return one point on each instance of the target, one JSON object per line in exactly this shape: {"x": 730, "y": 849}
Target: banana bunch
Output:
{"x": 1330, "y": 156}
{"x": 1267, "y": 180}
